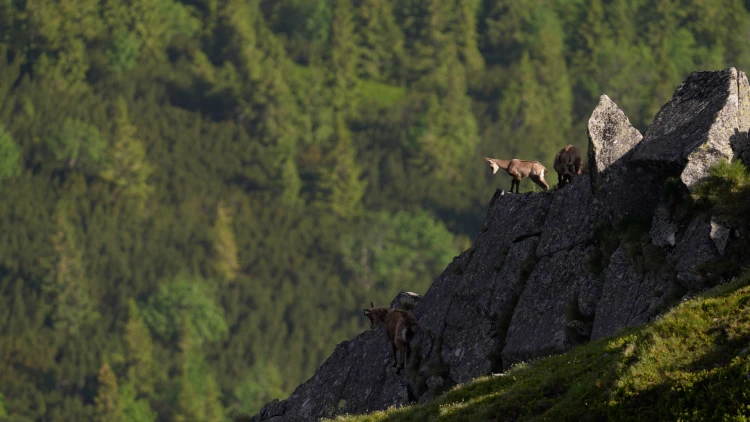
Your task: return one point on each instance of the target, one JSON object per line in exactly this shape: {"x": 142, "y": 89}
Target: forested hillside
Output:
{"x": 197, "y": 198}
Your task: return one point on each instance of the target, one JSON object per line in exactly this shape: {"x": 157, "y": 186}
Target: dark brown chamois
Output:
{"x": 400, "y": 326}
{"x": 567, "y": 163}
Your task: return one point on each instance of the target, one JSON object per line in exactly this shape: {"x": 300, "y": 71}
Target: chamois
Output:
{"x": 518, "y": 169}
{"x": 567, "y": 163}
{"x": 400, "y": 326}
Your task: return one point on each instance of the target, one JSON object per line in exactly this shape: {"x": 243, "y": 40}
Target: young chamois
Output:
{"x": 518, "y": 169}
{"x": 567, "y": 163}
{"x": 400, "y": 326}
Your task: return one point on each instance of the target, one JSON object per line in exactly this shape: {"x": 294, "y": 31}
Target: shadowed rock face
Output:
{"x": 612, "y": 140}
{"x": 628, "y": 298}
{"x": 528, "y": 286}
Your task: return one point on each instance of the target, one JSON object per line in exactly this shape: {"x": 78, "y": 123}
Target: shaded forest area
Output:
{"x": 198, "y": 197}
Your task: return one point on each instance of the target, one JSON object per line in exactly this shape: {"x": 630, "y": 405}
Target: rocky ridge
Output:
{"x": 551, "y": 270}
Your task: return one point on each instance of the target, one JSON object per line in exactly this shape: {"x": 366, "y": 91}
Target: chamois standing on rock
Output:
{"x": 567, "y": 163}
{"x": 400, "y": 326}
{"x": 518, "y": 169}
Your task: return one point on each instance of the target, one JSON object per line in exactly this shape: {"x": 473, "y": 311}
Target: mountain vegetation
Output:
{"x": 198, "y": 197}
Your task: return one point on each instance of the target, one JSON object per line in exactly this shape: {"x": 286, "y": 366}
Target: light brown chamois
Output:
{"x": 400, "y": 326}
{"x": 518, "y": 169}
{"x": 567, "y": 163}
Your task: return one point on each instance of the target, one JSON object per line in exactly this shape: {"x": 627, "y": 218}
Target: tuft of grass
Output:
{"x": 691, "y": 364}
{"x": 633, "y": 236}
{"x": 726, "y": 192}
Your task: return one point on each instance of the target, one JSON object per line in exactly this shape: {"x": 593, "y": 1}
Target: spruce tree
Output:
{"x": 340, "y": 188}
{"x": 141, "y": 372}
{"x": 107, "y": 400}
{"x": 344, "y": 57}
{"x": 226, "y": 263}
{"x": 127, "y": 168}
{"x": 381, "y": 42}
{"x": 67, "y": 284}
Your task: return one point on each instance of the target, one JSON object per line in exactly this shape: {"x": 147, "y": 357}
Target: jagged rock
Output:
{"x": 464, "y": 312}
{"x": 538, "y": 325}
{"x": 703, "y": 122}
{"x": 719, "y": 234}
{"x": 572, "y": 218}
{"x": 628, "y": 298}
{"x": 356, "y": 378}
{"x": 406, "y": 300}
{"x": 625, "y": 190}
{"x": 611, "y": 138}
{"x": 663, "y": 230}
{"x": 474, "y": 331}
{"x": 273, "y": 410}
{"x": 694, "y": 248}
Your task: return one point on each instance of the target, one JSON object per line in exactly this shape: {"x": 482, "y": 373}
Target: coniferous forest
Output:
{"x": 198, "y": 197}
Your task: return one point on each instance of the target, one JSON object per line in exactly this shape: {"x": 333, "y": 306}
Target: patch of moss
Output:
{"x": 577, "y": 320}
{"x": 633, "y": 237}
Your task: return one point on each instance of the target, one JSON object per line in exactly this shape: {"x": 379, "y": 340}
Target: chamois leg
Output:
{"x": 515, "y": 183}
{"x": 539, "y": 180}
{"x": 400, "y": 367}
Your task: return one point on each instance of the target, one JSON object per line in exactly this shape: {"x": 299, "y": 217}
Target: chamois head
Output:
{"x": 493, "y": 165}
{"x": 376, "y": 315}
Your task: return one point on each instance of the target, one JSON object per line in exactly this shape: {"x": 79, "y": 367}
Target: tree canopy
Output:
{"x": 198, "y": 197}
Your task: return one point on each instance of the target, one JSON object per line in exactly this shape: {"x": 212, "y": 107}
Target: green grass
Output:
{"x": 726, "y": 192}
{"x": 690, "y": 364}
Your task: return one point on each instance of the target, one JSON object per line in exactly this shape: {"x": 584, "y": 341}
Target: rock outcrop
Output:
{"x": 706, "y": 120}
{"x": 612, "y": 141}
{"x": 542, "y": 275}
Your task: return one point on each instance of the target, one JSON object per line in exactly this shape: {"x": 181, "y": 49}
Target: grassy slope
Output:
{"x": 691, "y": 364}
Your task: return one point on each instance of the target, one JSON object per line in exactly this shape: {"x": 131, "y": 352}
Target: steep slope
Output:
{"x": 690, "y": 364}
{"x": 552, "y": 270}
